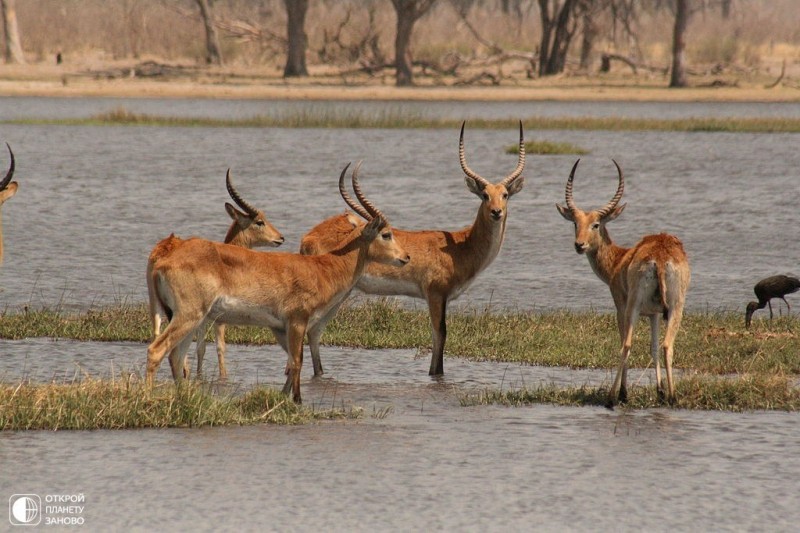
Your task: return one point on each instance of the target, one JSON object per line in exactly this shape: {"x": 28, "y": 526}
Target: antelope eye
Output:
{"x": 260, "y": 223}
{"x": 505, "y": 196}
{"x": 486, "y": 196}
{"x": 595, "y": 226}
{"x": 387, "y": 235}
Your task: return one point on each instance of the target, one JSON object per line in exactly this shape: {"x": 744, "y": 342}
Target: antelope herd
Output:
{"x": 195, "y": 282}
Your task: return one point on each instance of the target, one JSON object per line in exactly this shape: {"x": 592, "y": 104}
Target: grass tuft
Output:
{"x": 700, "y": 392}
{"x": 325, "y": 117}
{"x": 129, "y": 403}
{"x": 548, "y": 148}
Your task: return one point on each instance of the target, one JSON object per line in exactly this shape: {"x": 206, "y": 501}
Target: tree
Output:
{"x": 678, "y": 75}
{"x": 11, "y": 30}
{"x": 213, "y": 54}
{"x": 297, "y": 39}
{"x": 408, "y": 12}
{"x": 558, "y": 27}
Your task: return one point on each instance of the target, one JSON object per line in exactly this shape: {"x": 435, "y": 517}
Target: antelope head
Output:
{"x": 7, "y": 187}
{"x": 590, "y": 227}
{"x": 249, "y": 225}
{"x": 494, "y": 197}
{"x": 383, "y": 247}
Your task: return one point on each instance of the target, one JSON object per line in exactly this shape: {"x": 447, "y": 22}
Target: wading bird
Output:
{"x": 769, "y": 288}
{"x": 650, "y": 279}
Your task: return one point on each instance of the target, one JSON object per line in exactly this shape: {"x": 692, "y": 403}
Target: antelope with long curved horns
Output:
{"x": 249, "y": 228}
{"x": 650, "y": 279}
{"x": 8, "y": 189}
{"x": 206, "y": 281}
{"x": 444, "y": 263}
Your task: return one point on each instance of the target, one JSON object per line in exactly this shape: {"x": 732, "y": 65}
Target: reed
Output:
{"x": 128, "y": 403}
{"x": 324, "y": 117}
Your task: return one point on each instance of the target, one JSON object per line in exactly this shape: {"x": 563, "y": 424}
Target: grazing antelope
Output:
{"x": 7, "y": 189}
{"x": 202, "y": 280}
{"x": 249, "y": 229}
{"x": 649, "y": 279}
{"x": 445, "y": 262}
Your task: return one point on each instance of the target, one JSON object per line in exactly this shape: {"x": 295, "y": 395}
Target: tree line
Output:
{"x": 563, "y": 25}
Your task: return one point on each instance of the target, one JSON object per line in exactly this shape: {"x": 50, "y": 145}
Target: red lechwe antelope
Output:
{"x": 249, "y": 229}
{"x": 7, "y": 189}
{"x": 444, "y": 263}
{"x": 650, "y": 279}
{"x": 202, "y": 280}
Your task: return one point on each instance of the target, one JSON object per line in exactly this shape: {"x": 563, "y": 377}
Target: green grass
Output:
{"x": 547, "y": 148}
{"x": 715, "y": 343}
{"x": 129, "y": 403}
{"x": 709, "y": 345}
{"x": 394, "y": 118}
{"x": 699, "y": 392}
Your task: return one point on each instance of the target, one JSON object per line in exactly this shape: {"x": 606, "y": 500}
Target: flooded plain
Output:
{"x": 94, "y": 200}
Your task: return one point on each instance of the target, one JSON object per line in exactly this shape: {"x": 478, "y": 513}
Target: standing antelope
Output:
{"x": 249, "y": 229}
{"x": 445, "y": 262}
{"x": 649, "y": 279}
{"x": 202, "y": 280}
{"x": 7, "y": 189}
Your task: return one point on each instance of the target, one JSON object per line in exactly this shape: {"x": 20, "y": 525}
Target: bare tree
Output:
{"x": 558, "y": 26}
{"x": 11, "y": 30}
{"x": 678, "y": 75}
{"x": 297, "y": 40}
{"x": 408, "y": 12}
{"x": 213, "y": 53}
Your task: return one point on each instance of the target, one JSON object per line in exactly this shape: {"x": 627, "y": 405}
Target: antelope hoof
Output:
{"x": 623, "y": 395}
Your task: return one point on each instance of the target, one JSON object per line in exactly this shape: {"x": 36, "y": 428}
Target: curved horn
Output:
{"x": 10, "y": 174}
{"x": 568, "y": 193}
{"x": 249, "y": 209}
{"x": 615, "y": 200}
{"x": 373, "y": 211}
{"x": 520, "y": 162}
{"x": 347, "y": 199}
{"x": 463, "y": 159}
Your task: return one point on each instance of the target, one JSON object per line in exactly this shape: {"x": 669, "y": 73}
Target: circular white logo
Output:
{"x": 25, "y": 510}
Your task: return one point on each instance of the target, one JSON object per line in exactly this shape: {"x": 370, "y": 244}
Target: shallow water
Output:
{"x": 429, "y": 464}
{"x": 93, "y": 201}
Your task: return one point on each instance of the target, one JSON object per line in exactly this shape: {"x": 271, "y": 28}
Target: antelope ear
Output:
{"x": 373, "y": 227}
{"x": 8, "y": 192}
{"x": 234, "y": 213}
{"x": 565, "y": 212}
{"x": 617, "y": 211}
{"x": 475, "y": 186}
{"x": 515, "y": 186}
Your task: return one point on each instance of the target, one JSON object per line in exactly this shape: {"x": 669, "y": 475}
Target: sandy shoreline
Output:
{"x": 52, "y": 81}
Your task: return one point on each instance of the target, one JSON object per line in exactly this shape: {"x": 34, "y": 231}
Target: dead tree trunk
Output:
{"x": 11, "y": 30}
{"x": 297, "y": 40}
{"x": 408, "y": 12}
{"x": 678, "y": 75}
{"x": 213, "y": 53}
{"x": 558, "y": 27}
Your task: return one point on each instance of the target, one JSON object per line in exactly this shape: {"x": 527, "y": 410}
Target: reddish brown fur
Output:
{"x": 626, "y": 271}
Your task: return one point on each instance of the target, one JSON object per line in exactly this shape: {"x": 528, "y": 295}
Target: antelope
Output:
{"x": 8, "y": 189}
{"x": 445, "y": 262}
{"x": 202, "y": 280}
{"x": 249, "y": 229}
{"x": 650, "y": 279}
